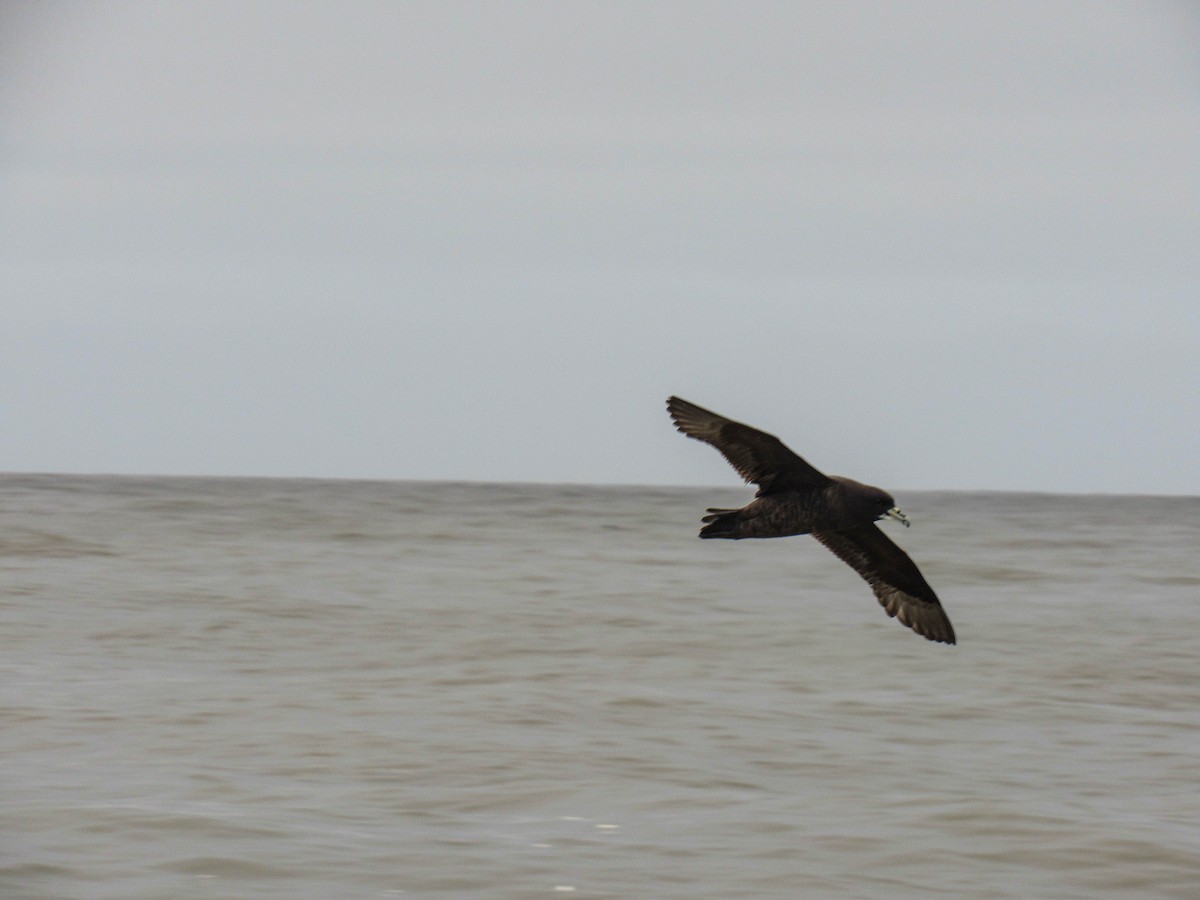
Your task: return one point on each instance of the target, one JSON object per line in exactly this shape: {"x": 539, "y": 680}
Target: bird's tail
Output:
{"x": 722, "y": 523}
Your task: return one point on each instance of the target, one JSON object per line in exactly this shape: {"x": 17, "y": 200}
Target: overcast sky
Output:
{"x": 928, "y": 244}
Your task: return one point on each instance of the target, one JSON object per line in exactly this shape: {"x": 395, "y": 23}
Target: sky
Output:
{"x": 931, "y": 245}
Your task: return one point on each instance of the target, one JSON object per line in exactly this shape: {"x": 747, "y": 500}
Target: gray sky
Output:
{"x": 929, "y": 244}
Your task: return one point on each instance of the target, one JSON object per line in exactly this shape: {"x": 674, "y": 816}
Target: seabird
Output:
{"x": 795, "y": 498}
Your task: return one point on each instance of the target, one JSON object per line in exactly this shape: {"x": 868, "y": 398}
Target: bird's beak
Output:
{"x": 894, "y": 513}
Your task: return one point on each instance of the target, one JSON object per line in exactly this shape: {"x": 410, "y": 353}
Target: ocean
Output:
{"x": 245, "y": 688}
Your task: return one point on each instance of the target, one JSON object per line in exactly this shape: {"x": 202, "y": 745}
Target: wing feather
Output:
{"x": 894, "y": 577}
{"x": 760, "y": 458}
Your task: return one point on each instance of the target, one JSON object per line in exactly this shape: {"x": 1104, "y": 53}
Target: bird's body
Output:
{"x": 788, "y": 512}
{"x": 795, "y": 498}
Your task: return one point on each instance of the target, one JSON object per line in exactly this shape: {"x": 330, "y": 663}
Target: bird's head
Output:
{"x": 882, "y": 505}
{"x": 861, "y": 503}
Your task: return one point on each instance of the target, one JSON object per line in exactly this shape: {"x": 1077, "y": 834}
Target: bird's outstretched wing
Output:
{"x": 760, "y": 458}
{"x": 894, "y": 578}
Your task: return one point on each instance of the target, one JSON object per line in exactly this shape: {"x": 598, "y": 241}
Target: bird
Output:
{"x": 795, "y": 498}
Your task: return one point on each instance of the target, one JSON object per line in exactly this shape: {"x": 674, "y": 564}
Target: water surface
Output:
{"x": 271, "y": 688}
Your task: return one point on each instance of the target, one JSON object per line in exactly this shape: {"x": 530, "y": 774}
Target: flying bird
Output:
{"x": 795, "y": 498}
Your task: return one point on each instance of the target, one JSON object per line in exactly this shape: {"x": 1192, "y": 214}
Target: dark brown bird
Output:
{"x": 795, "y": 498}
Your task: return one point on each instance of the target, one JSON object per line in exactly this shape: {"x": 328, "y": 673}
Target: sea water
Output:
{"x": 300, "y": 688}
